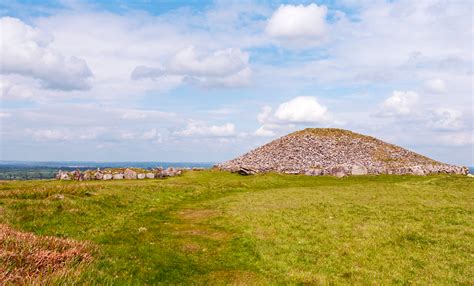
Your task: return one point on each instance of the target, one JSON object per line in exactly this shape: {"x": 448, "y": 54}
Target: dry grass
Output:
{"x": 26, "y": 258}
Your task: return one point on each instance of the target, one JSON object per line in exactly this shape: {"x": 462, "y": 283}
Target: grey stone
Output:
{"x": 130, "y": 174}
{"x": 117, "y": 176}
{"x": 314, "y": 172}
{"x": 358, "y": 170}
{"x": 106, "y": 177}
{"x": 150, "y": 175}
{"x": 141, "y": 176}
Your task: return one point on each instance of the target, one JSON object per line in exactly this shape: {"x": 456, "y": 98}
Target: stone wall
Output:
{"x": 120, "y": 174}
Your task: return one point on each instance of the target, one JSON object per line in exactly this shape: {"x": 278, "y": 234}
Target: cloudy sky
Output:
{"x": 209, "y": 80}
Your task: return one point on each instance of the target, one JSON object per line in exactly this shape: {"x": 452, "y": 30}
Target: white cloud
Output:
{"x": 49, "y": 134}
{"x": 302, "y": 109}
{"x": 227, "y": 67}
{"x": 12, "y": 90}
{"x": 26, "y": 51}
{"x": 151, "y": 134}
{"x": 200, "y": 130}
{"x": 296, "y": 113}
{"x": 435, "y": 85}
{"x": 61, "y": 134}
{"x": 141, "y": 114}
{"x": 298, "y": 24}
{"x": 400, "y": 103}
{"x": 463, "y": 138}
{"x": 264, "y": 115}
{"x": 446, "y": 119}
{"x": 264, "y": 132}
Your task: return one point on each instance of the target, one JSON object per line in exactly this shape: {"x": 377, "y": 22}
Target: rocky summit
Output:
{"x": 337, "y": 152}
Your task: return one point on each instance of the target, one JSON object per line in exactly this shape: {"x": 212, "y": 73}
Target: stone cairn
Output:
{"x": 121, "y": 174}
{"x": 335, "y": 152}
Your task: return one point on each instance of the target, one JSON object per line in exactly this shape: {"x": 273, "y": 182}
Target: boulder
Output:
{"x": 87, "y": 176}
{"x": 150, "y": 175}
{"x": 245, "y": 171}
{"x": 141, "y": 176}
{"x": 107, "y": 177}
{"x": 130, "y": 174}
{"x": 99, "y": 175}
{"x": 358, "y": 170}
{"x": 63, "y": 175}
{"x": 314, "y": 172}
{"x": 118, "y": 176}
{"x": 417, "y": 171}
{"x": 339, "y": 171}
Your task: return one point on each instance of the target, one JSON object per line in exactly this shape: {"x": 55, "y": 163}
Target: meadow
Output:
{"x": 213, "y": 227}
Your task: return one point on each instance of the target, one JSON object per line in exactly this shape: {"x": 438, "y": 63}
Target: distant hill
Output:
{"x": 331, "y": 151}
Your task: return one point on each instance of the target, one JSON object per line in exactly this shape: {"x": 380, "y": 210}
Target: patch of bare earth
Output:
{"x": 26, "y": 258}
{"x": 194, "y": 224}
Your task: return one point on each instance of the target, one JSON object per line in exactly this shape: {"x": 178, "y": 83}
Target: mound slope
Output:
{"x": 331, "y": 151}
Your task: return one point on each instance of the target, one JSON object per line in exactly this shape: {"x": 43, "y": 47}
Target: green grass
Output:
{"x": 213, "y": 227}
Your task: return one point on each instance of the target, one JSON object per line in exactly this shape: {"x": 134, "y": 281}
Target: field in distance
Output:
{"x": 213, "y": 227}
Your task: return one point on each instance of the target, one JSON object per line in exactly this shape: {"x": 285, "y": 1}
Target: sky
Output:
{"x": 206, "y": 81}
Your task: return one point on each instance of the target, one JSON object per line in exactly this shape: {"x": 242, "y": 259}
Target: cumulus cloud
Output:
{"x": 201, "y": 130}
{"x": 298, "y": 112}
{"x": 435, "y": 85}
{"x": 400, "y": 103}
{"x": 263, "y": 131}
{"x": 12, "y": 90}
{"x": 302, "y": 109}
{"x": 227, "y": 67}
{"x": 298, "y": 24}
{"x": 26, "y": 51}
{"x": 446, "y": 119}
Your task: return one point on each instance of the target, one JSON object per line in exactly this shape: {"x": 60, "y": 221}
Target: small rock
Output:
{"x": 141, "y": 176}
{"x": 59, "y": 197}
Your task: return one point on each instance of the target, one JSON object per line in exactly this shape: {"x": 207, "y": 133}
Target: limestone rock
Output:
{"x": 119, "y": 176}
{"x": 141, "y": 176}
{"x": 314, "y": 172}
{"x": 246, "y": 171}
{"x": 358, "y": 170}
{"x": 150, "y": 175}
{"x": 107, "y": 177}
{"x": 129, "y": 174}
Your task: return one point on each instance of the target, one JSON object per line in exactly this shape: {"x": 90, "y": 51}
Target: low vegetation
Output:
{"x": 222, "y": 228}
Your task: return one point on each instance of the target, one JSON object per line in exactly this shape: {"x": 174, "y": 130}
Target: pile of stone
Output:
{"x": 119, "y": 174}
{"x": 336, "y": 152}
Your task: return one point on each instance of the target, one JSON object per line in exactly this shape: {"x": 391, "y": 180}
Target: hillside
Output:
{"x": 330, "y": 151}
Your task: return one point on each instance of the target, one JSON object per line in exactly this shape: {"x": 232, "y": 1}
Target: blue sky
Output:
{"x": 209, "y": 80}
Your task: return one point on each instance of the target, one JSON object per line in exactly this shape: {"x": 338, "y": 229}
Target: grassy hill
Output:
{"x": 221, "y": 228}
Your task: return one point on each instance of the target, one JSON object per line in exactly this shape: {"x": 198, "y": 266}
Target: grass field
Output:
{"x": 212, "y": 227}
